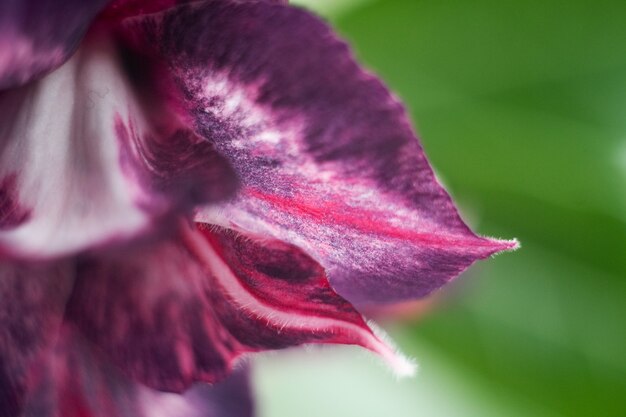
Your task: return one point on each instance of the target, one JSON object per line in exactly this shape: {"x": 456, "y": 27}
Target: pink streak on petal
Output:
{"x": 334, "y": 212}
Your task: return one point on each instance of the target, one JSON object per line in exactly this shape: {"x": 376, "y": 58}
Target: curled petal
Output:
{"x": 36, "y": 36}
{"x": 327, "y": 158}
{"x": 186, "y": 310}
{"x": 31, "y": 310}
{"x": 76, "y": 381}
{"x": 83, "y": 162}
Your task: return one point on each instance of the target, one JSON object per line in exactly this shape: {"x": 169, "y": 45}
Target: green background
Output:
{"x": 521, "y": 107}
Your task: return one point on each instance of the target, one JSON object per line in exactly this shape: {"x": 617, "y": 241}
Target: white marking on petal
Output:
{"x": 59, "y": 138}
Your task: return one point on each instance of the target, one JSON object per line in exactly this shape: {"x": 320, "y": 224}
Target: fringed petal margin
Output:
{"x": 326, "y": 156}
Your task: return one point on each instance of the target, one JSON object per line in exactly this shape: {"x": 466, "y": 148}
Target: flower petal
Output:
{"x": 84, "y": 162}
{"x": 77, "y": 382}
{"x": 120, "y": 9}
{"x": 186, "y": 310}
{"x": 31, "y": 310}
{"x": 326, "y": 155}
{"x": 36, "y": 36}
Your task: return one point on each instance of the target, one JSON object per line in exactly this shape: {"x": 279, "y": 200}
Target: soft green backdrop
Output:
{"x": 521, "y": 107}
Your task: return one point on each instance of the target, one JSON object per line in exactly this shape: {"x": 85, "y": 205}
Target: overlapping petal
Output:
{"x": 48, "y": 369}
{"x": 311, "y": 192}
{"x": 77, "y": 381}
{"x": 36, "y": 36}
{"x": 185, "y": 310}
{"x": 31, "y": 310}
{"x": 327, "y": 158}
{"x": 84, "y": 162}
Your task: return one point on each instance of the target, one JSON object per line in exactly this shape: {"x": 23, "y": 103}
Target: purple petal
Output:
{"x": 326, "y": 155}
{"x": 120, "y": 9}
{"x": 76, "y": 381}
{"x": 33, "y": 298}
{"x": 36, "y": 36}
{"x": 85, "y": 162}
{"x": 185, "y": 310}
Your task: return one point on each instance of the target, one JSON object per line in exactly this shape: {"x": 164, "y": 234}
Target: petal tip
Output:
{"x": 509, "y": 245}
{"x": 401, "y": 365}
{"x": 493, "y": 246}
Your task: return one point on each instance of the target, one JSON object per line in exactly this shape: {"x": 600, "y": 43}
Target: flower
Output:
{"x": 184, "y": 183}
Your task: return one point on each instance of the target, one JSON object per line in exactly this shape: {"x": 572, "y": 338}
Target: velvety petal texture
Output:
{"x": 326, "y": 156}
{"x": 36, "y": 36}
{"x": 185, "y": 310}
{"x": 83, "y": 163}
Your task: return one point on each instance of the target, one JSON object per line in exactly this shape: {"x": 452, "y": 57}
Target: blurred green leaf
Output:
{"x": 329, "y": 8}
{"x": 526, "y": 96}
{"x": 539, "y": 327}
{"x": 489, "y": 46}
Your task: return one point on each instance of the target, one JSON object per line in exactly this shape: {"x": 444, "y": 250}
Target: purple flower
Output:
{"x": 185, "y": 183}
